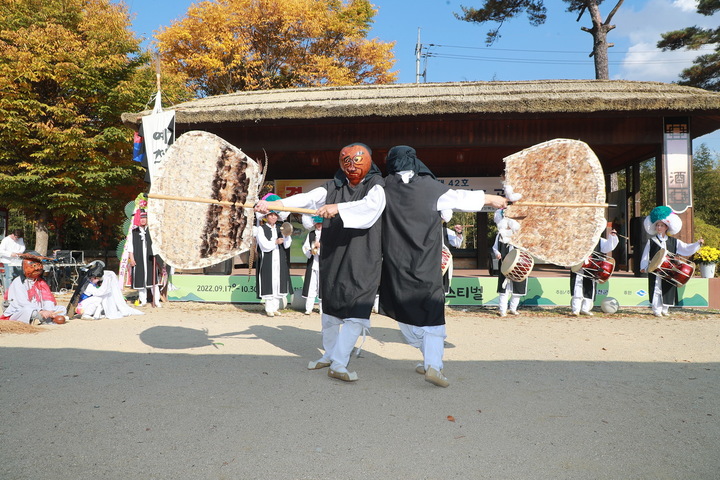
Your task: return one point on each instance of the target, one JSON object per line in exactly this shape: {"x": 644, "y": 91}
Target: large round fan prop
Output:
{"x": 200, "y": 208}
{"x": 197, "y": 234}
{"x": 562, "y": 209}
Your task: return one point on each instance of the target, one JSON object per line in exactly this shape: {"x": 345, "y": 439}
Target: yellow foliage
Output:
{"x": 224, "y": 46}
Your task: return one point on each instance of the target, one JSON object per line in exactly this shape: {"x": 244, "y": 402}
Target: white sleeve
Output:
{"x": 363, "y": 213}
{"x": 454, "y": 239}
{"x": 313, "y": 199}
{"x": 495, "y": 249}
{"x": 287, "y": 241}
{"x": 645, "y": 259}
{"x": 446, "y": 214}
{"x": 687, "y": 249}
{"x": 306, "y": 246}
{"x": 607, "y": 245}
{"x": 462, "y": 200}
{"x": 4, "y": 251}
{"x": 263, "y": 242}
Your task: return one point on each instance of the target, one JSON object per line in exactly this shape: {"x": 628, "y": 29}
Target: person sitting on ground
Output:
{"x": 30, "y": 298}
{"x": 101, "y": 295}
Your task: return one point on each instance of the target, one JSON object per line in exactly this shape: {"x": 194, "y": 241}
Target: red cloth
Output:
{"x": 40, "y": 292}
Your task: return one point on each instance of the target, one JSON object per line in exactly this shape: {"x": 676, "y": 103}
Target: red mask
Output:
{"x": 32, "y": 269}
{"x": 355, "y": 162}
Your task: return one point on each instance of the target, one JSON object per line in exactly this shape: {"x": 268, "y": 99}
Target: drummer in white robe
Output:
{"x": 583, "y": 289}
{"x": 510, "y": 292}
{"x": 661, "y": 224}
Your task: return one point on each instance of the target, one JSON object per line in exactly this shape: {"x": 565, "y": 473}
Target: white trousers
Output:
{"x": 657, "y": 299}
{"x": 142, "y": 294}
{"x": 339, "y": 337}
{"x": 508, "y": 295}
{"x": 312, "y": 291}
{"x": 430, "y": 341}
{"x": 273, "y": 303}
{"x": 578, "y": 303}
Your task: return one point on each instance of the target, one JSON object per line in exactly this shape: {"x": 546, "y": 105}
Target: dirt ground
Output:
{"x": 219, "y": 391}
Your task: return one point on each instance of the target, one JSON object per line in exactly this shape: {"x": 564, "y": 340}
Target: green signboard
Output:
{"x": 471, "y": 291}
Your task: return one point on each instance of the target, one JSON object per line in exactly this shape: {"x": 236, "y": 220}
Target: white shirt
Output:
{"x": 357, "y": 214}
{"x": 8, "y": 246}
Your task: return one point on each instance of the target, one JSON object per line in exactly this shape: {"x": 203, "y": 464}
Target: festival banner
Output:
{"x": 464, "y": 291}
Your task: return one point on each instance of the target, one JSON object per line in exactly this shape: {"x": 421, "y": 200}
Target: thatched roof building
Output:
{"x": 477, "y": 123}
{"x": 462, "y": 129}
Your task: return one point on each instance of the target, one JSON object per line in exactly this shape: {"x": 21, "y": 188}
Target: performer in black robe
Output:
{"x": 411, "y": 289}
{"x": 350, "y": 257}
{"x": 273, "y": 272}
{"x": 146, "y": 266}
{"x": 311, "y": 249}
{"x": 661, "y": 223}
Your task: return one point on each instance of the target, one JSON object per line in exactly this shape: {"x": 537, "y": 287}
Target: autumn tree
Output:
{"x": 66, "y": 74}
{"x": 500, "y": 11}
{"x": 705, "y": 71}
{"x": 223, "y": 46}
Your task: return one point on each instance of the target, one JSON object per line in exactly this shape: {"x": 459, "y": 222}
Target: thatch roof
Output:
{"x": 397, "y": 100}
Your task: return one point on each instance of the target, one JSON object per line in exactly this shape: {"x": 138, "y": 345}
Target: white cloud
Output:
{"x": 640, "y": 29}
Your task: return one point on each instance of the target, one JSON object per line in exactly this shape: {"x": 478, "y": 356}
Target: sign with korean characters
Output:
{"x": 677, "y": 164}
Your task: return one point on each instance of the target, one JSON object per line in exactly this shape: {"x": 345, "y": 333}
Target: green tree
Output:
{"x": 66, "y": 74}
{"x": 706, "y": 185}
{"x": 705, "y": 72}
{"x": 500, "y": 11}
{"x": 224, "y": 46}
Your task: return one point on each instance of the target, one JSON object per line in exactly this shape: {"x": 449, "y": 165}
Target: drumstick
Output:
{"x": 157, "y": 196}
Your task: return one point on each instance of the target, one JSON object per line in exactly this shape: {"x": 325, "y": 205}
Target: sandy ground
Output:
{"x": 217, "y": 391}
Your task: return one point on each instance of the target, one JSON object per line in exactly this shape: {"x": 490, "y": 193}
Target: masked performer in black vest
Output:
{"x": 350, "y": 257}
{"x": 145, "y": 264}
{"x": 661, "y": 223}
{"x": 273, "y": 272}
{"x": 411, "y": 289}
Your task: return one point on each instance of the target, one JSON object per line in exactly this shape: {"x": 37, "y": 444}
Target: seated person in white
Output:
{"x": 101, "y": 296}
{"x": 30, "y": 299}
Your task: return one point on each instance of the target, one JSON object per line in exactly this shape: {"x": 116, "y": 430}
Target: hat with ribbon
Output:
{"x": 663, "y": 214}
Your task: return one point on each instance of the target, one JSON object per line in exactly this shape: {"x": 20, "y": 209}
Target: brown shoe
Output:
{"x": 420, "y": 368}
{"x": 436, "y": 378}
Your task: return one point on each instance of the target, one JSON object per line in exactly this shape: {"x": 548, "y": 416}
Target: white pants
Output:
{"x": 578, "y": 303}
{"x": 312, "y": 291}
{"x": 507, "y": 294}
{"x": 339, "y": 337}
{"x": 658, "y": 307}
{"x": 430, "y": 341}
{"x": 142, "y": 294}
{"x": 273, "y": 303}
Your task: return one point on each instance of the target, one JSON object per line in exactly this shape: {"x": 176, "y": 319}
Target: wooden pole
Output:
{"x": 158, "y": 196}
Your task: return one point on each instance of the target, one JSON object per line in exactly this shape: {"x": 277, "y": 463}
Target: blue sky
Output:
{"x": 456, "y": 50}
